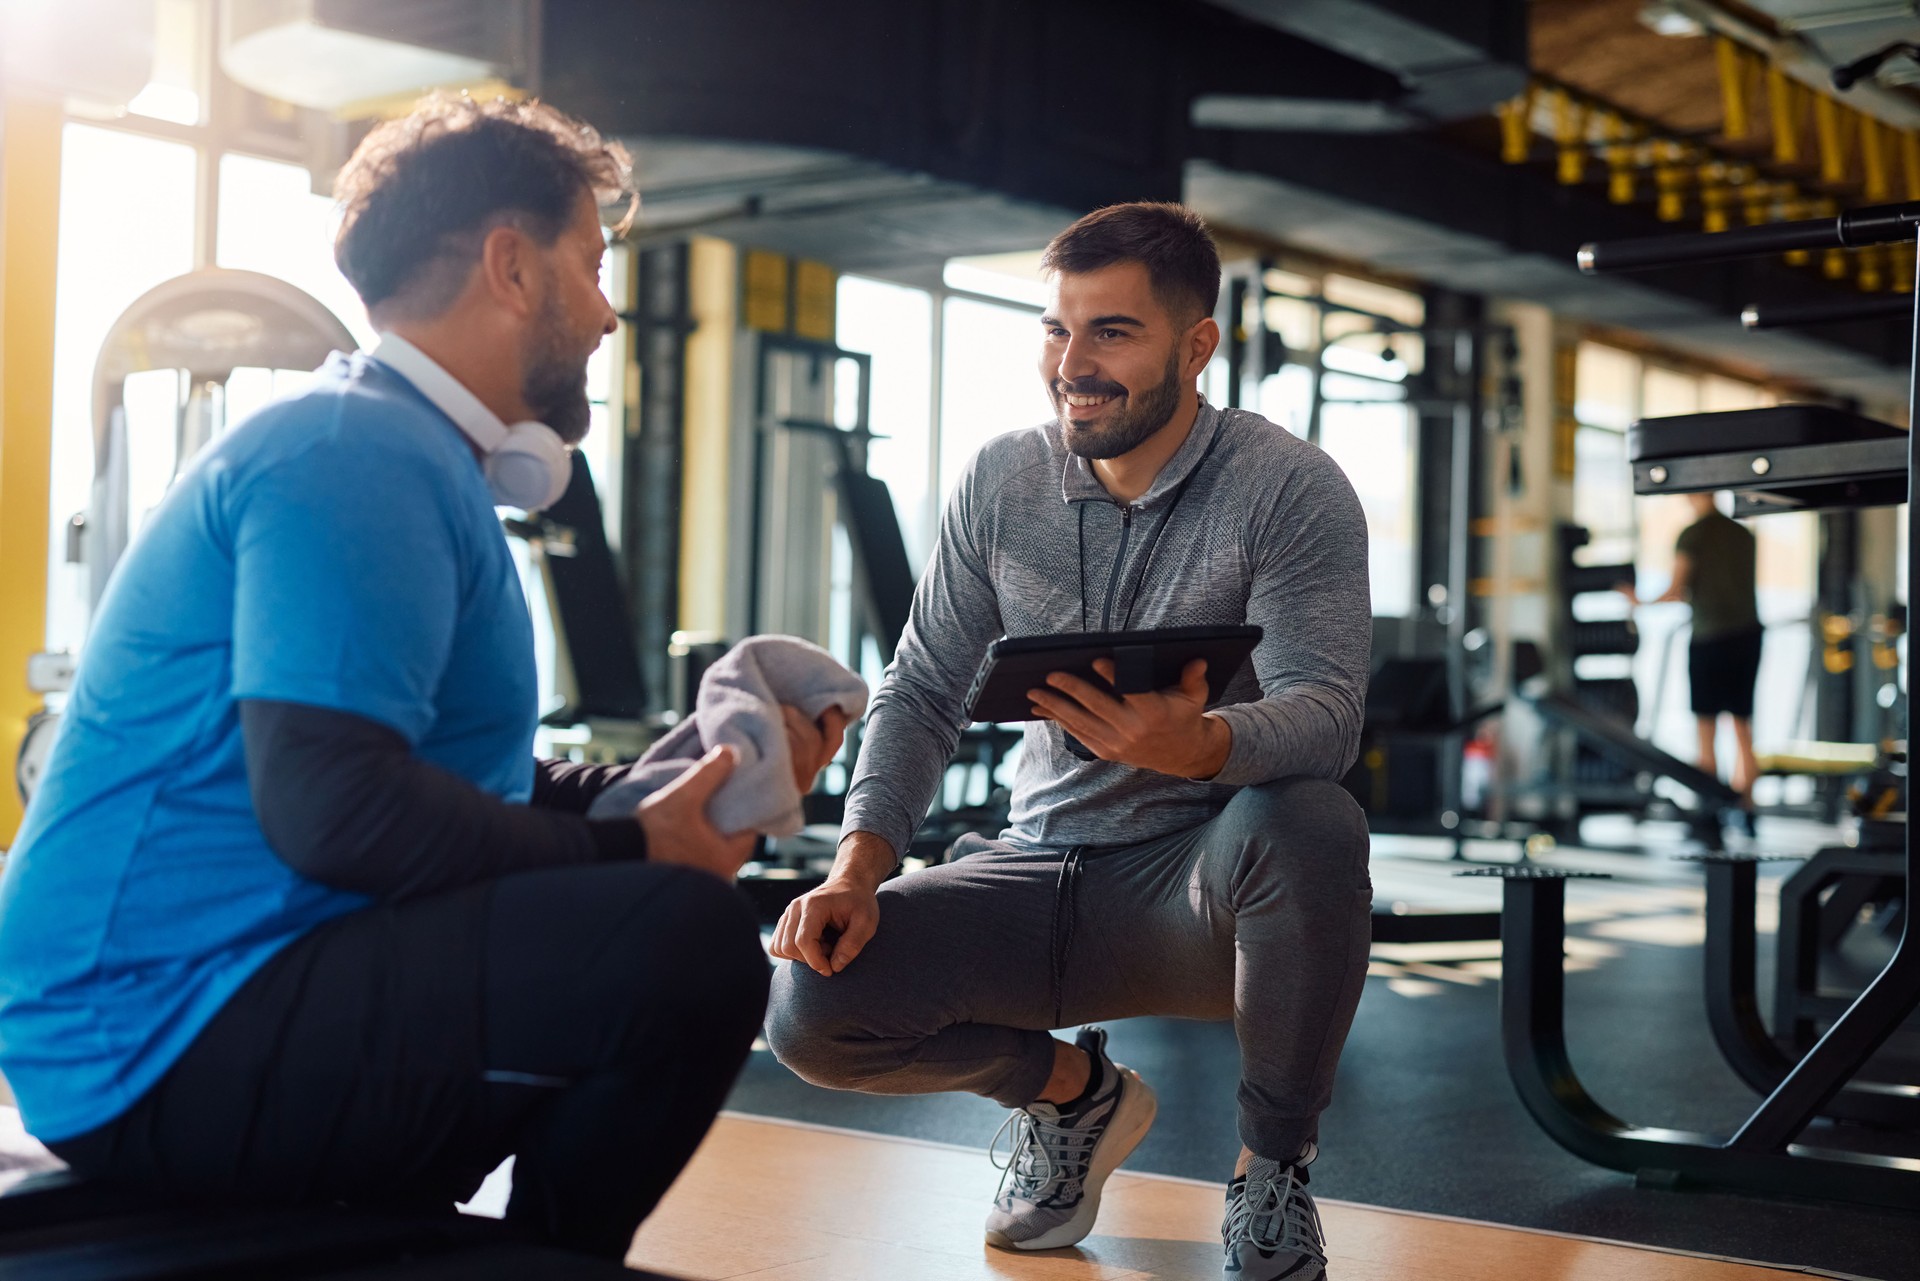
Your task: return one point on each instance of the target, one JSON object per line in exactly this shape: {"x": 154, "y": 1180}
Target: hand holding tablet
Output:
{"x": 1143, "y": 661}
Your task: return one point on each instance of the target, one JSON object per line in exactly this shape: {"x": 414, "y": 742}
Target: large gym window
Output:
{"x": 1613, "y": 389}
{"x": 989, "y": 379}
{"x": 127, "y": 223}
{"x": 1340, "y": 349}
{"x": 894, "y": 324}
{"x": 188, "y": 177}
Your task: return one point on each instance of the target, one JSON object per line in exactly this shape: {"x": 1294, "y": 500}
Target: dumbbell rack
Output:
{"x": 1762, "y": 1155}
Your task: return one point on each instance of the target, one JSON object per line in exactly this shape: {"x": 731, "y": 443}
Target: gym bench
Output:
{"x": 59, "y": 1227}
{"x": 1759, "y": 1158}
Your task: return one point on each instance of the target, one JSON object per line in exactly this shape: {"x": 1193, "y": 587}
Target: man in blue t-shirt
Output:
{"x": 295, "y": 913}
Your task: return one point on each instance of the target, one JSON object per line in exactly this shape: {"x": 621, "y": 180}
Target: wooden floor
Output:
{"x": 783, "y": 1202}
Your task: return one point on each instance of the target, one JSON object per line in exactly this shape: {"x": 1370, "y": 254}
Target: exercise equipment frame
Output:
{"x": 1761, "y": 1156}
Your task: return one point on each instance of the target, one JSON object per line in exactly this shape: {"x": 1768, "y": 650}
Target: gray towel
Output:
{"x": 739, "y": 703}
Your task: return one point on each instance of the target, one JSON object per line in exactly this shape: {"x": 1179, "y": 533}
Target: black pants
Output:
{"x": 589, "y": 1021}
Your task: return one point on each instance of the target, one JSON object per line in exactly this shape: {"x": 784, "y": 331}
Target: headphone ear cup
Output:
{"x": 530, "y": 468}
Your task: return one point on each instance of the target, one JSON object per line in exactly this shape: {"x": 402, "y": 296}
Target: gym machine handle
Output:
{"x": 1874, "y": 225}
{"x": 1785, "y": 315}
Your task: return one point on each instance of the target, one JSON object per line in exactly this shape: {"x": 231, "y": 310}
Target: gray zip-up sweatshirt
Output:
{"x": 1268, "y": 531}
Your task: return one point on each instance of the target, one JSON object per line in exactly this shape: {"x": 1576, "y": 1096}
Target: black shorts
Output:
{"x": 1722, "y": 671}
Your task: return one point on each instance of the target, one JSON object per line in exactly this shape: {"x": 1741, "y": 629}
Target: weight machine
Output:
{"x": 205, "y": 324}
{"x": 1773, "y": 464}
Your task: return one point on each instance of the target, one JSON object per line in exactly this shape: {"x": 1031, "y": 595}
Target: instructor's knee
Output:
{"x": 1306, "y": 823}
{"x": 808, "y": 1029}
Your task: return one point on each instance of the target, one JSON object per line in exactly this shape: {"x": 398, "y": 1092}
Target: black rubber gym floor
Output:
{"x": 1424, "y": 1117}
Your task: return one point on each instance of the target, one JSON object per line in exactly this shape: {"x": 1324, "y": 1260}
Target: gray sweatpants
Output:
{"x": 1262, "y": 915}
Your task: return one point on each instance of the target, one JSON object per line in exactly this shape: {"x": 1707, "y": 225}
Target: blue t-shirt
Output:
{"x": 340, "y": 549}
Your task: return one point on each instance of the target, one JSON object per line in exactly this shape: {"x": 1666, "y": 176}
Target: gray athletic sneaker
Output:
{"x": 1050, "y": 1192}
{"x": 1273, "y": 1228}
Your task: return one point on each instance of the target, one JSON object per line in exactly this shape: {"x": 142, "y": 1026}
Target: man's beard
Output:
{"x": 1131, "y": 424}
{"x": 555, "y": 382}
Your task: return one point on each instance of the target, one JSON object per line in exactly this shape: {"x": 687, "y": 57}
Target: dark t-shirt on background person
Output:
{"x": 1722, "y": 583}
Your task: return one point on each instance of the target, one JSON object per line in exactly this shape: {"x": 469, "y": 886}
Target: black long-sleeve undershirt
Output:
{"x": 571, "y": 786}
{"x": 343, "y": 801}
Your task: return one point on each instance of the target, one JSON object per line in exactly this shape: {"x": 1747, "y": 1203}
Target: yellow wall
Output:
{"x": 29, "y": 228}
{"x": 714, "y": 290}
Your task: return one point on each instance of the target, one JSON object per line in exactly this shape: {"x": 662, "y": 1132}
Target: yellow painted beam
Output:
{"x": 816, "y": 288}
{"x": 29, "y": 233}
{"x": 714, "y": 291}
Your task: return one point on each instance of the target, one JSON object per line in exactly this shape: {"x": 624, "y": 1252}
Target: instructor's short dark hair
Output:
{"x": 420, "y": 194}
{"x": 1170, "y": 240}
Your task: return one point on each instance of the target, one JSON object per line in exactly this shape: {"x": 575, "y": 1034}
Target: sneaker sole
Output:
{"x": 1131, "y": 1121}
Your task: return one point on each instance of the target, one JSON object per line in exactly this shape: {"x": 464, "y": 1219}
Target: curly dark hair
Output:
{"x": 1170, "y": 240}
{"x": 420, "y": 193}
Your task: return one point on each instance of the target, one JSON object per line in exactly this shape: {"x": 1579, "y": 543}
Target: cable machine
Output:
{"x": 205, "y": 324}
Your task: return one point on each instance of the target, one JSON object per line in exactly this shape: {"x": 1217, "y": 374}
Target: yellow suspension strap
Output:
{"x": 1900, "y": 254}
{"x": 1833, "y": 262}
{"x": 1670, "y": 180}
{"x": 1756, "y": 197}
{"x": 1570, "y": 136}
{"x": 1900, "y": 266}
{"x": 1872, "y": 263}
{"x": 1516, "y": 126}
{"x": 1877, "y": 184}
{"x": 1783, "y": 110}
{"x": 1620, "y": 157}
{"x": 1830, "y": 129}
{"x": 1715, "y": 195}
{"x": 1736, "y": 124}
{"x": 1793, "y": 209}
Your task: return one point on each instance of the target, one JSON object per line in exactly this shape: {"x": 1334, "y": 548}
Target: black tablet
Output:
{"x": 1143, "y": 661}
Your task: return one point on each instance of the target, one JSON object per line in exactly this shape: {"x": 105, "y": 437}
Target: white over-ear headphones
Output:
{"x": 527, "y": 466}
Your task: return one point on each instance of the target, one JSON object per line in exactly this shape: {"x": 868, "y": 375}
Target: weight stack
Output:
{"x": 1615, "y": 697}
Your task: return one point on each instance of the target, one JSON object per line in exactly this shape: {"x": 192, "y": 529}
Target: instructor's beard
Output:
{"x": 1135, "y": 420}
{"x": 555, "y": 383}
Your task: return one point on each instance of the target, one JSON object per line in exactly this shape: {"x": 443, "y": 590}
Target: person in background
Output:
{"x": 1713, "y": 570}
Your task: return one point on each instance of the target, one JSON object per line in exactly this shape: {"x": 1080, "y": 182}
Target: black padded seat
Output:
{"x": 1745, "y": 430}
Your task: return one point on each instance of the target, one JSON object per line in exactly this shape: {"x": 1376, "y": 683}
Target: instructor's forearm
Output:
{"x": 1308, "y": 731}
{"x": 864, "y": 859}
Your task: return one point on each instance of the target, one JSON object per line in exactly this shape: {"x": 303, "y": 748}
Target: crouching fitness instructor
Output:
{"x": 1169, "y": 859}
{"x": 296, "y": 915}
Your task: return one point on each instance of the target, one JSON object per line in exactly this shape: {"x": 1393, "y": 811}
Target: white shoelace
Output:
{"x": 1275, "y": 1214}
{"x": 1044, "y": 1157}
